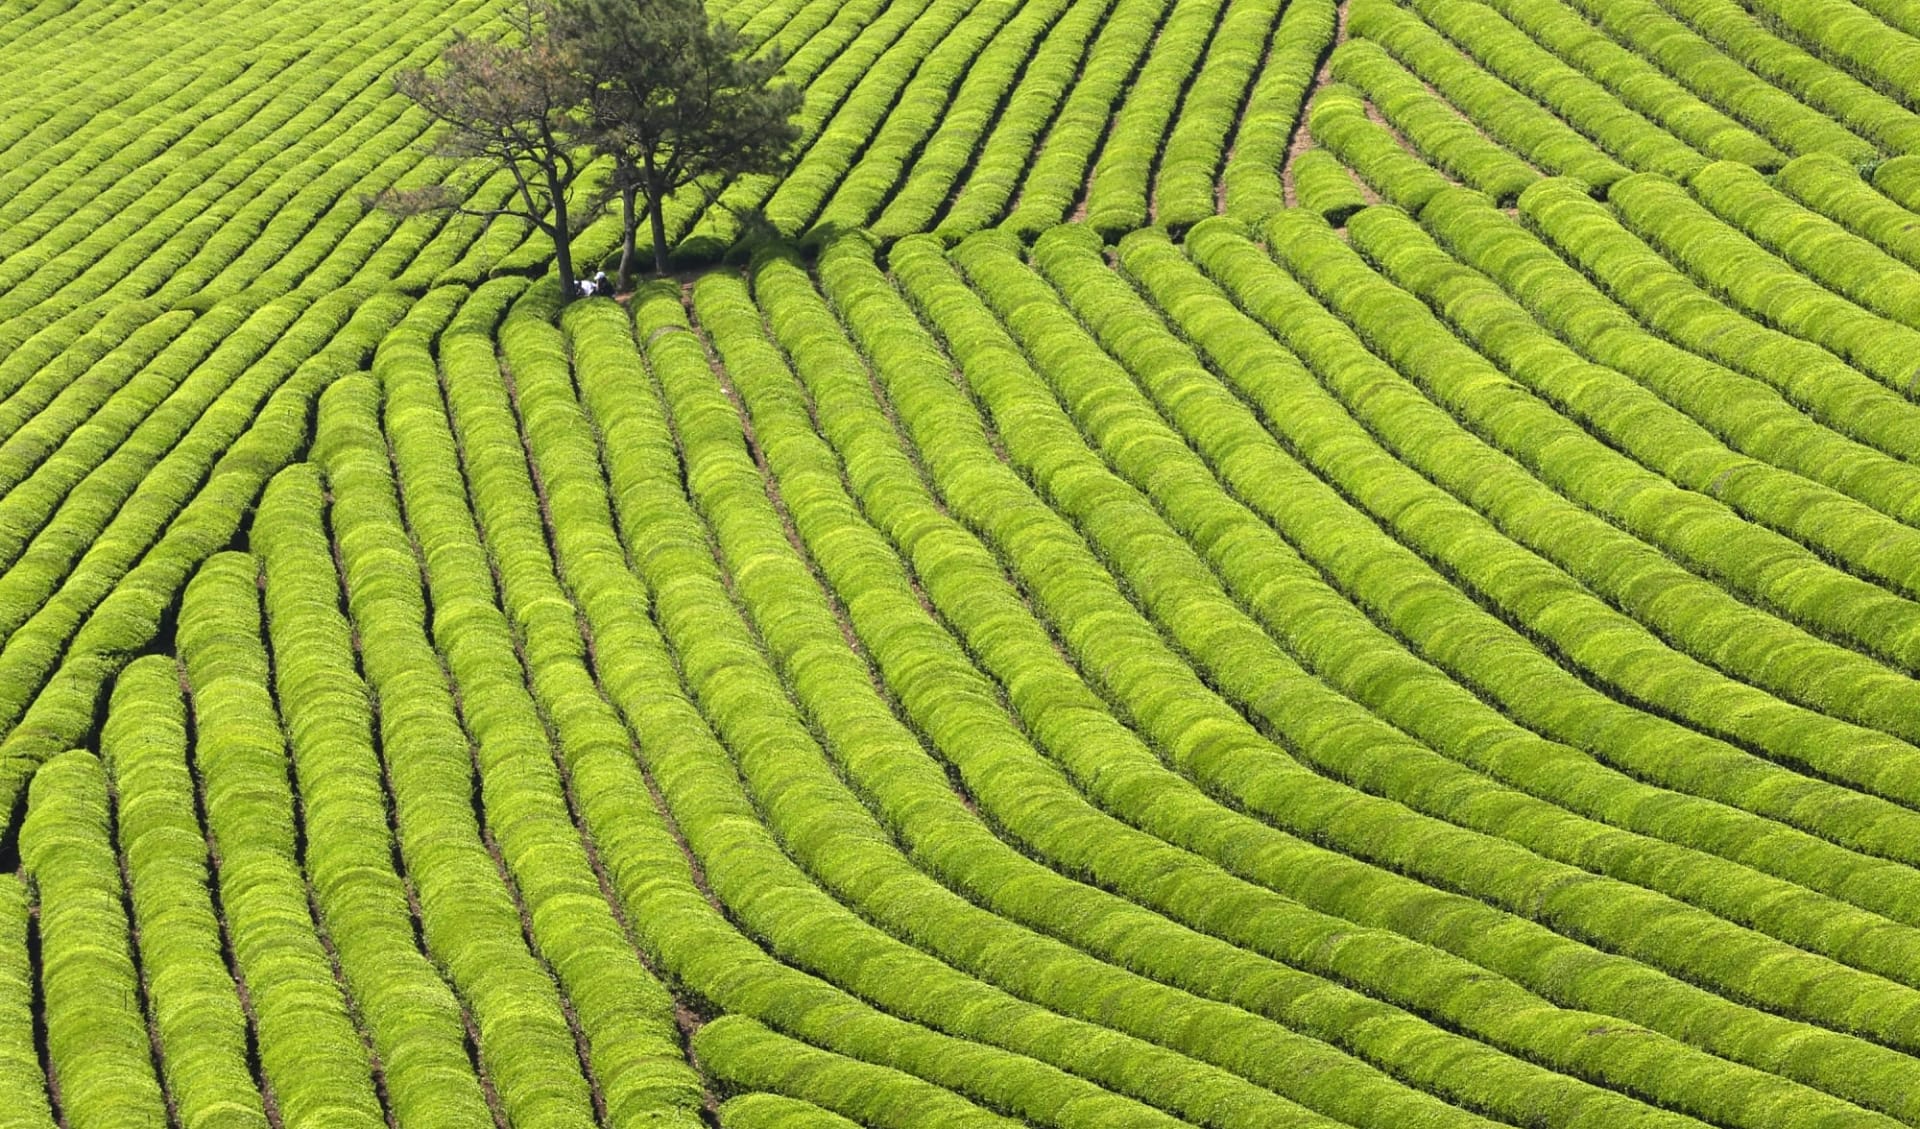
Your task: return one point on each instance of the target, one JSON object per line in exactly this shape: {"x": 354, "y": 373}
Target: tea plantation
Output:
{"x": 1224, "y": 563}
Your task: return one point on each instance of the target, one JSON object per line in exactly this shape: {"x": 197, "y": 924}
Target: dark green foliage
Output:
{"x": 671, "y": 98}
{"x": 514, "y": 106}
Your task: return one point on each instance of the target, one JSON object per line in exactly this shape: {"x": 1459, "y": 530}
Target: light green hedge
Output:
{"x": 625, "y": 1010}
{"x": 469, "y": 919}
{"x": 1658, "y": 38}
{"x": 196, "y": 1009}
{"x": 523, "y": 725}
{"x": 1734, "y": 266}
{"x": 309, "y": 1048}
{"x": 1802, "y": 74}
{"x": 1628, "y": 70}
{"x": 413, "y": 1017}
{"x": 1506, "y": 51}
{"x": 70, "y": 388}
{"x": 1509, "y": 116}
{"x": 741, "y": 1052}
{"x": 1025, "y": 67}
{"x": 849, "y": 82}
{"x": 1053, "y": 178}
{"x": 1337, "y": 119}
{"x": 1674, "y": 306}
{"x": 988, "y": 749}
{"x": 1188, "y": 187}
{"x": 1273, "y": 110}
{"x": 1484, "y": 654}
{"x": 1001, "y": 160}
{"x": 1202, "y": 741}
{"x": 1834, "y": 188}
{"x": 1323, "y": 186}
{"x": 704, "y": 953}
{"x": 763, "y": 1110}
{"x": 59, "y": 663}
{"x": 1660, "y": 521}
{"x": 952, "y": 701}
{"x": 1878, "y": 53}
{"x": 1817, "y": 246}
{"x": 90, "y": 993}
{"x": 1629, "y": 415}
{"x": 23, "y": 1083}
{"x": 825, "y": 829}
{"x": 882, "y": 129}
{"x": 1899, "y": 179}
{"x": 1434, "y": 128}
{"x": 1317, "y": 434}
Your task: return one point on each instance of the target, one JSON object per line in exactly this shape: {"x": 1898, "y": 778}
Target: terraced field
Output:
{"x": 1232, "y": 563}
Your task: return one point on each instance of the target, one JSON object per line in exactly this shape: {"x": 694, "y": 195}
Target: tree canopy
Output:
{"x": 673, "y": 98}
{"x": 666, "y": 95}
{"x": 510, "y": 104}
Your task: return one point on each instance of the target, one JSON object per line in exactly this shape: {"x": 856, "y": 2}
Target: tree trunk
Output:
{"x": 656, "y": 214}
{"x": 629, "y": 221}
{"x": 656, "y": 211}
{"x": 563, "y": 239}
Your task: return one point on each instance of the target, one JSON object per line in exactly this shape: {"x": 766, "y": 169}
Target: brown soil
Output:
{"x": 1302, "y": 140}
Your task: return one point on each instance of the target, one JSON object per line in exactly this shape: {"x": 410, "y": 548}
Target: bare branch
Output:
{"x": 408, "y": 202}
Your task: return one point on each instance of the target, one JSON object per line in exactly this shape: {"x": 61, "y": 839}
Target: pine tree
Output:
{"x": 513, "y": 106}
{"x": 672, "y": 99}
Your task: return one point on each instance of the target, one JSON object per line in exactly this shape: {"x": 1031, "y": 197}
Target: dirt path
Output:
{"x": 1302, "y": 140}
